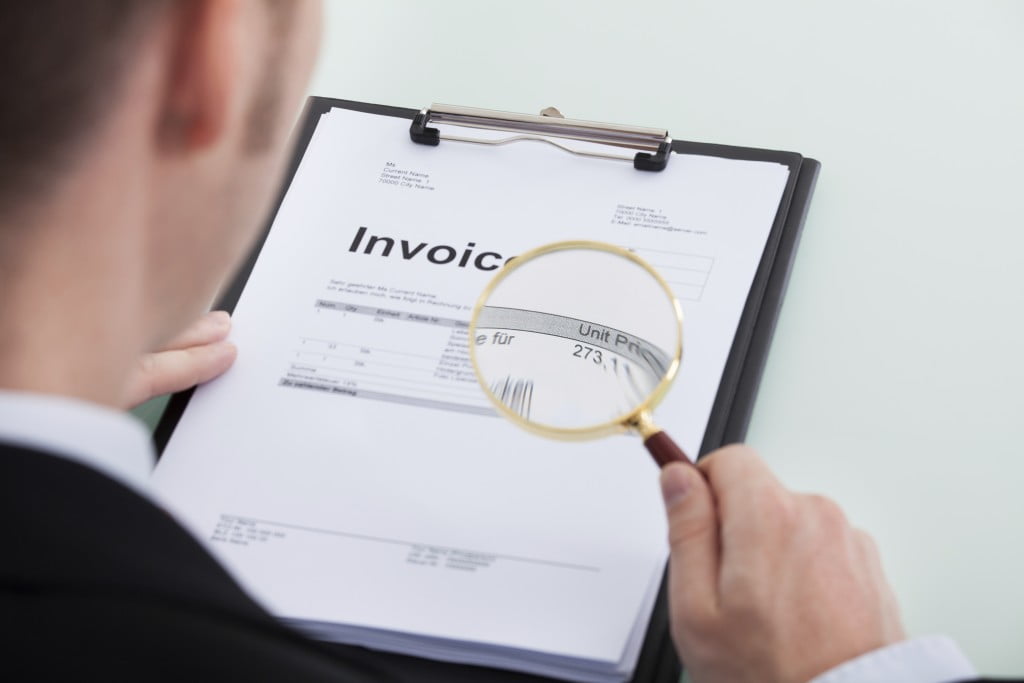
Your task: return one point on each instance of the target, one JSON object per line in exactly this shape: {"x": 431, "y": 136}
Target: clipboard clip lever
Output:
{"x": 652, "y": 147}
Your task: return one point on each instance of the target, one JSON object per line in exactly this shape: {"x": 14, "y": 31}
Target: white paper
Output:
{"x": 408, "y": 509}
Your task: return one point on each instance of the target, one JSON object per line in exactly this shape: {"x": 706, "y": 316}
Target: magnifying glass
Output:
{"x": 579, "y": 340}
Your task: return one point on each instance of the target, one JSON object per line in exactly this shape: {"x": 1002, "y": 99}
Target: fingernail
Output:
{"x": 676, "y": 482}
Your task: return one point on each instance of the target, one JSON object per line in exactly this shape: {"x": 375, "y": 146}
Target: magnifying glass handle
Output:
{"x": 664, "y": 450}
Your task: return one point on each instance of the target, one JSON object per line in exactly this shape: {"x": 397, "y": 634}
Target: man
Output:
{"x": 140, "y": 145}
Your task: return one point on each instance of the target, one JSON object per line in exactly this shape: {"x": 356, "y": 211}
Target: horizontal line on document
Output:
{"x": 401, "y": 399}
{"x": 396, "y": 541}
{"x": 446, "y": 392}
{"x": 370, "y": 374}
{"x": 368, "y": 361}
{"x": 364, "y": 346}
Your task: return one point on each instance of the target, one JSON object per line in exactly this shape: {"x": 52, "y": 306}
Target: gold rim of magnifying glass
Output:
{"x": 639, "y": 418}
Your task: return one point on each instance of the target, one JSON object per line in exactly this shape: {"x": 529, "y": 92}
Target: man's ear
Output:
{"x": 203, "y": 77}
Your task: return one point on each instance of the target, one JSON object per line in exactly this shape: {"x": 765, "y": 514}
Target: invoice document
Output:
{"x": 349, "y": 471}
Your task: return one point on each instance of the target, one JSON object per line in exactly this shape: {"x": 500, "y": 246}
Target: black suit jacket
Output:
{"x": 97, "y": 583}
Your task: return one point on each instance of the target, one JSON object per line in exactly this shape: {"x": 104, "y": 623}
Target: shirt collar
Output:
{"x": 102, "y": 438}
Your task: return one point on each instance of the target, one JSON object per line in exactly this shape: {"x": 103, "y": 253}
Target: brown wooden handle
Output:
{"x": 664, "y": 450}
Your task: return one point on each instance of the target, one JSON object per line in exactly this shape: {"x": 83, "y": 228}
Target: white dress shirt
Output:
{"x": 102, "y": 438}
{"x": 928, "y": 659}
{"x": 117, "y": 445}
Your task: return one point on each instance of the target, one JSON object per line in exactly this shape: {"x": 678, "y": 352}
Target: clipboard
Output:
{"x": 649, "y": 150}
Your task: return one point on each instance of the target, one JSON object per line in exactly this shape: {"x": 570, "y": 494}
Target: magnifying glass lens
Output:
{"x": 576, "y": 338}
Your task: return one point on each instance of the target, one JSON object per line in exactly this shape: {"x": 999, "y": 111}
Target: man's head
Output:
{"x": 141, "y": 142}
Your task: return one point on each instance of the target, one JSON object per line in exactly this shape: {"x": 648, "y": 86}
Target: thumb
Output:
{"x": 693, "y": 540}
{"x": 168, "y": 371}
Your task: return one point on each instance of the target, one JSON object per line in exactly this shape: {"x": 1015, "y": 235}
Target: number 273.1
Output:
{"x": 586, "y": 352}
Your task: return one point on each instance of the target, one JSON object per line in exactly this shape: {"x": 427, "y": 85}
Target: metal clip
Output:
{"x": 654, "y": 145}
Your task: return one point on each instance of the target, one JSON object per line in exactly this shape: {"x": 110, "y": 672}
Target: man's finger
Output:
{"x": 208, "y": 329}
{"x": 693, "y": 540}
{"x": 169, "y": 371}
{"x": 745, "y": 489}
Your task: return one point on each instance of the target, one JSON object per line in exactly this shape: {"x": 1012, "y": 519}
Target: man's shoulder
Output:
{"x": 68, "y": 525}
{"x": 117, "y": 637}
{"x": 95, "y": 577}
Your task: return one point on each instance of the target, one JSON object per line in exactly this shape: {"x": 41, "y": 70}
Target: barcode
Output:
{"x": 517, "y": 394}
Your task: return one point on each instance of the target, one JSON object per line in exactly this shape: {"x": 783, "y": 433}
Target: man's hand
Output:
{"x": 766, "y": 585}
{"x": 195, "y": 356}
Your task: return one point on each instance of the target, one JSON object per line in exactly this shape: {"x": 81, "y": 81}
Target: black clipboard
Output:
{"x": 730, "y": 415}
